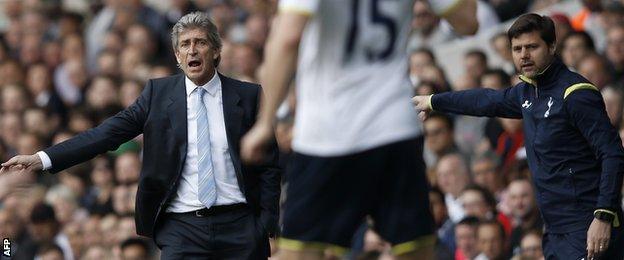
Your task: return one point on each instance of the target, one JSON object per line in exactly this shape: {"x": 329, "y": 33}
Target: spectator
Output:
{"x": 127, "y": 168}
{"x": 479, "y": 202}
{"x": 495, "y": 79}
{"x": 562, "y": 28}
{"x": 575, "y": 47}
{"x": 485, "y": 170}
{"x": 444, "y": 225}
{"x": 452, "y": 177}
{"x": 257, "y": 30}
{"x": 491, "y": 239}
{"x": 15, "y": 99}
{"x": 613, "y": 98}
{"x": 502, "y": 47}
{"x": 44, "y": 229}
{"x": 509, "y": 142}
{"x": 466, "y": 238}
{"x": 96, "y": 253}
{"x": 102, "y": 93}
{"x": 475, "y": 63}
{"x": 50, "y": 252}
{"x": 596, "y": 69}
{"x": 39, "y": 83}
{"x": 13, "y": 227}
{"x": 108, "y": 63}
{"x": 438, "y": 137}
{"x": 418, "y": 59}
{"x": 134, "y": 249}
{"x": 246, "y": 62}
{"x": 615, "y": 50}
{"x": 531, "y": 245}
{"x": 524, "y": 211}
{"x": 70, "y": 78}
{"x": 129, "y": 91}
{"x": 428, "y": 29}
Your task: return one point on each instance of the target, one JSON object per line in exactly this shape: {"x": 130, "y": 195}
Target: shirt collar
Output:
{"x": 212, "y": 86}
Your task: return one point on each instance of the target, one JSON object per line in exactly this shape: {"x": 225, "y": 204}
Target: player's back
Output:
{"x": 353, "y": 92}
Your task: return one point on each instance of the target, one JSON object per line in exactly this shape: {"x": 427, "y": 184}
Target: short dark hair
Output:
{"x": 587, "y": 39}
{"x": 487, "y": 196}
{"x": 444, "y": 117}
{"x": 469, "y": 221}
{"x": 42, "y": 213}
{"x": 501, "y": 74}
{"x": 135, "y": 241}
{"x": 477, "y": 53}
{"x": 426, "y": 51}
{"x": 499, "y": 227}
{"x": 534, "y": 22}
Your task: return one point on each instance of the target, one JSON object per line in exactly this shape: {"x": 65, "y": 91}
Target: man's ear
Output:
{"x": 177, "y": 56}
{"x": 217, "y": 54}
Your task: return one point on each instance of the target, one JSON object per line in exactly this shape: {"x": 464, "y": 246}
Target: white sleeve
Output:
{"x": 442, "y": 7}
{"x": 306, "y": 7}
{"x": 45, "y": 160}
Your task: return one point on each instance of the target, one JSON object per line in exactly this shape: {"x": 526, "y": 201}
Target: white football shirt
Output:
{"x": 353, "y": 90}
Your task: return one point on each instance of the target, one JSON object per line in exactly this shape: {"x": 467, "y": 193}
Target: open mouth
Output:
{"x": 527, "y": 65}
{"x": 194, "y": 64}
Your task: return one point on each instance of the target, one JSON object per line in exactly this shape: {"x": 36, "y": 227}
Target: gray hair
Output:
{"x": 197, "y": 20}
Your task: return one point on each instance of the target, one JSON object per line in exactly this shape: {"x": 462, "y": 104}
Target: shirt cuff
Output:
{"x": 430, "y": 104}
{"x": 45, "y": 160}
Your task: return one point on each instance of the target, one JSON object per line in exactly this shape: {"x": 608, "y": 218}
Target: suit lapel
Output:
{"x": 233, "y": 115}
{"x": 177, "y": 116}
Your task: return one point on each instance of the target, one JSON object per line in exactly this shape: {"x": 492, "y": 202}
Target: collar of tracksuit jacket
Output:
{"x": 547, "y": 76}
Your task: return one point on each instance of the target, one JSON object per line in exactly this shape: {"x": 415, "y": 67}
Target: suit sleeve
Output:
{"x": 113, "y": 132}
{"x": 270, "y": 180}
{"x": 480, "y": 102}
{"x": 587, "y": 111}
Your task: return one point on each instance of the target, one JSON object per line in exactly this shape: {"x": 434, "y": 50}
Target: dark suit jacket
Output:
{"x": 160, "y": 114}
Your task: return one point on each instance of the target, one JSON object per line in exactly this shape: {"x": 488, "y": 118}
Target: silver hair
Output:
{"x": 197, "y": 20}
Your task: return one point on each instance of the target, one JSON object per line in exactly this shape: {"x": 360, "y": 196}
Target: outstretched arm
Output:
{"x": 107, "y": 136}
{"x": 474, "y": 102}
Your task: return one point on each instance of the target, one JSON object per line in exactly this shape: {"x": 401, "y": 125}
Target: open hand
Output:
{"x": 598, "y": 236}
{"x": 22, "y": 163}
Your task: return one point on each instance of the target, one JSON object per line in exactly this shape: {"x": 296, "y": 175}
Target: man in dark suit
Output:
{"x": 195, "y": 197}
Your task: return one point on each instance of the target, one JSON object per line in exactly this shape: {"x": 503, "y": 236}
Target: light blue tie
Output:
{"x": 206, "y": 181}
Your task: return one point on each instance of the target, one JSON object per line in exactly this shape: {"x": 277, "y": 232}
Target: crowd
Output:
{"x": 63, "y": 72}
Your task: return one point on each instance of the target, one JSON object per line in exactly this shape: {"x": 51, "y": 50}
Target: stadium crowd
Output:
{"x": 63, "y": 72}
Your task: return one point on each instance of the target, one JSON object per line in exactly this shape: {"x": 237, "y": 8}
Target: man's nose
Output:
{"x": 193, "y": 49}
{"x": 525, "y": 53}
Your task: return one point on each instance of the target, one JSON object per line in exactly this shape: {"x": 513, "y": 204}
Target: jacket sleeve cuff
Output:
{"x": 45, "y": 160}
{"x": 431, "y": 104}
{"x": 616, "y": 221}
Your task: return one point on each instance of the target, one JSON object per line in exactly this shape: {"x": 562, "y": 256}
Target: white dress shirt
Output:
{"x": 228, "y": 191}
{"x": 455, "y": 208}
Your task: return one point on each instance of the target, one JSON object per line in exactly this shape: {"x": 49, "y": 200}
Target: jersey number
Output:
{"x": 377, "y": 18}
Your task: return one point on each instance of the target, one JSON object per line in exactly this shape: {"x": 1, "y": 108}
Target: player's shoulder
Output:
{"x": 574, "y": 83}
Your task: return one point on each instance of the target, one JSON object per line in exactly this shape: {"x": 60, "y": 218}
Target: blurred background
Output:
{"x": 66, "y": 65}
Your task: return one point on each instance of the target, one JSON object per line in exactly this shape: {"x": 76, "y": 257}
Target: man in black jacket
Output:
{"x": 574, "y": 153}
{"x": 195, "y": 197}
